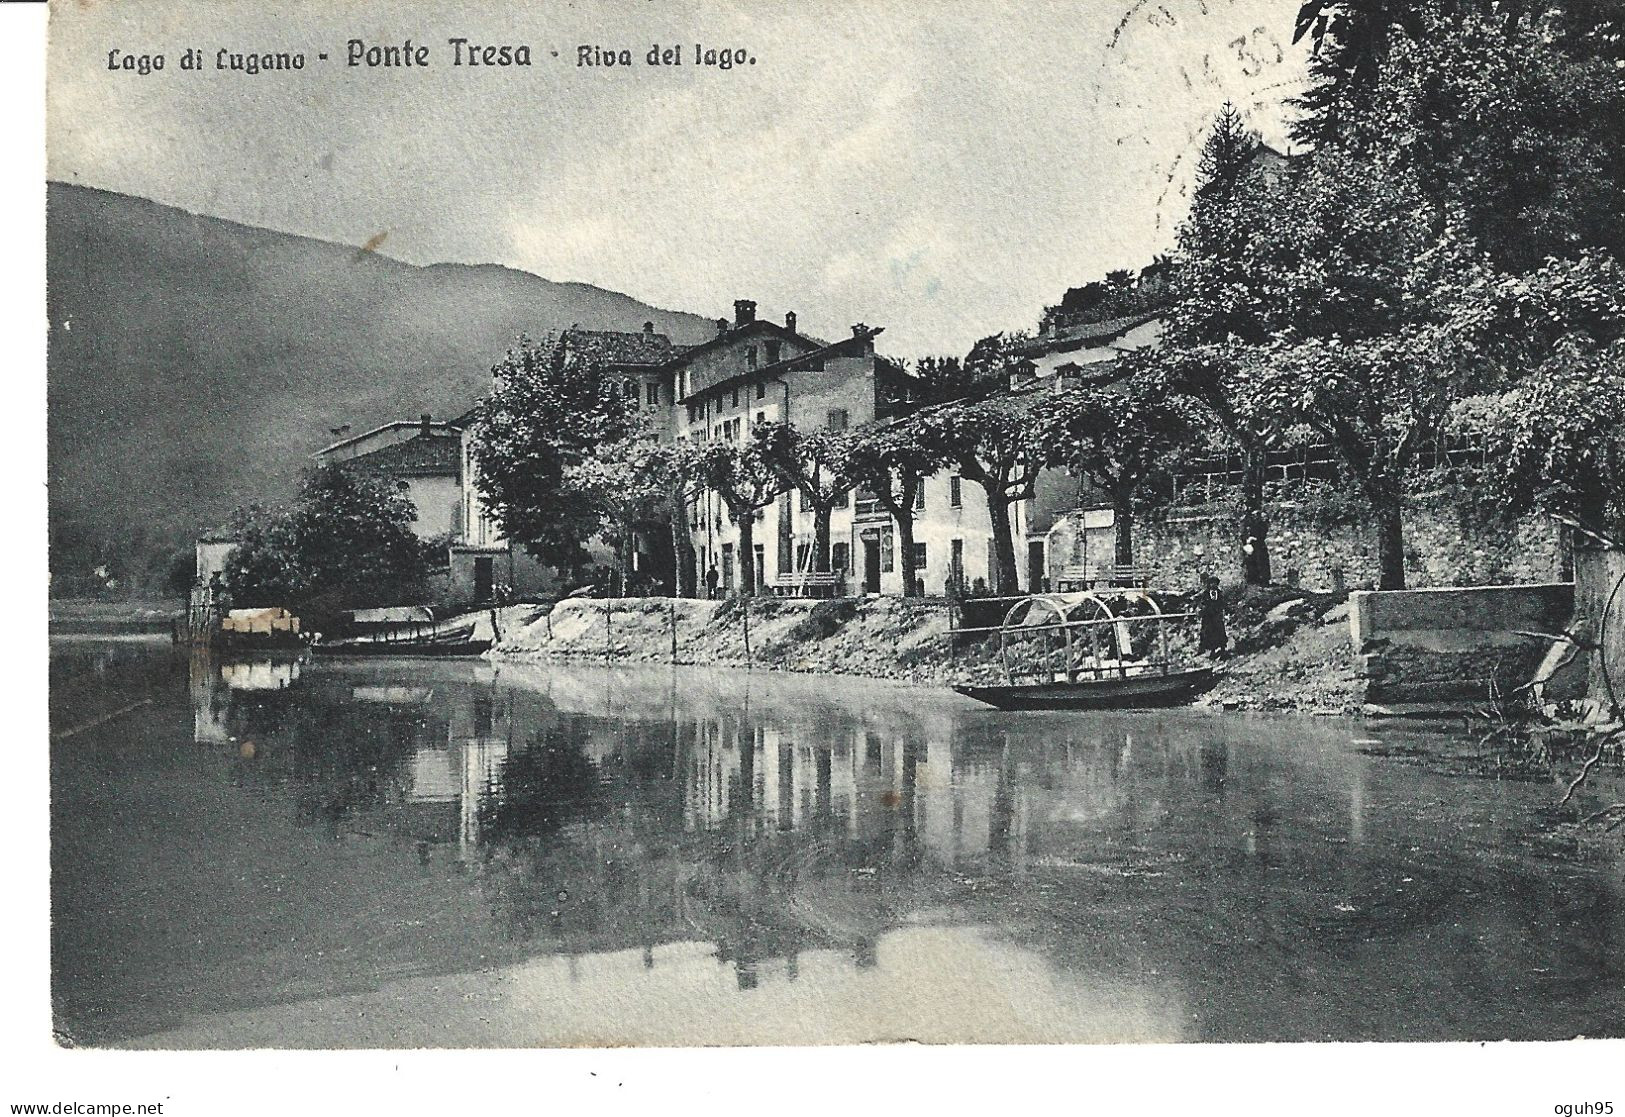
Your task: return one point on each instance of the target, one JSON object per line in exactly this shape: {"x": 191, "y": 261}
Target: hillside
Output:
{"x": 196, "y": 363}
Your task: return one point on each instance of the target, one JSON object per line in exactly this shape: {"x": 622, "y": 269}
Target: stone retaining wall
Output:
{"x": 1446, "y": 645}
{"x": 1444, "y": 546}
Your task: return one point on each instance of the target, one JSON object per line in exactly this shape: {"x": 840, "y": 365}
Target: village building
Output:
{"x": 430, "y": 461}
{"x": 758, "y": 370}
{"x": 422, "y": 458}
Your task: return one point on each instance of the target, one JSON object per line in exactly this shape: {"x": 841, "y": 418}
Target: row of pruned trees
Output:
{"x": 1444, "y": 262}
{"x": 563, "y": 456}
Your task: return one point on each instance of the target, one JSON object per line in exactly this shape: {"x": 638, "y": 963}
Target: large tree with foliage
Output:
{"x": 1352, "y": 41}
{"x": 550, "y": 408}
{"x": 995, "y": 444}
{"x": 742, "y": 475}
{"x": 1555, "y": 439}
{"x": 1221, "y": 302}
{"x": 891, "y": 463}
{"x": 815, "y": 463}
{"x": 1394, "y": 275}
{"x": 345, "y": 543}
{"x": 1118, "y": 438}
{"x": 640, "y": 483}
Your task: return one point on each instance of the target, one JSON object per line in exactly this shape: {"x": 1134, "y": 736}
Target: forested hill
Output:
{"x": 196, "y": 363}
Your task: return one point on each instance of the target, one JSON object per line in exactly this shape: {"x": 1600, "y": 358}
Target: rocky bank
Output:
{"x": 1291, "y": 649}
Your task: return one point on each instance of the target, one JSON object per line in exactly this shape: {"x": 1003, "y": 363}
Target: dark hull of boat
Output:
{"x": 404, "y": 647}
{"x": 1131, "y": 693}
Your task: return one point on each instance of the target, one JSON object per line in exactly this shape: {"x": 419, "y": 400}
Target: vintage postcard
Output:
{"x": 688, "y": 524}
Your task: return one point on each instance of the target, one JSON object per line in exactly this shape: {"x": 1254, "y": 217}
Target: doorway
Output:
{"x": 1037, "y": 572}
{"x": 871, "y": 566}
{"x": 484, "y": 580}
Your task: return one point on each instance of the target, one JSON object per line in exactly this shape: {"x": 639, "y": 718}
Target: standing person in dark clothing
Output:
{"x": 711, "y": 582}
{"x": 1210, "y": 609}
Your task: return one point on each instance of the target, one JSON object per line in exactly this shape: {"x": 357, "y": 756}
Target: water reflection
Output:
{"x": 1210, "y": 878}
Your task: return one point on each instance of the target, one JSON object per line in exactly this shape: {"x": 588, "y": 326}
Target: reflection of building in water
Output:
{"x": 212, "y": 682}
{"x": 211, "y": 701}
{"x": 769, "y": 830}
{"x": 260, "y": 674}
{"x": 451, "y": 775}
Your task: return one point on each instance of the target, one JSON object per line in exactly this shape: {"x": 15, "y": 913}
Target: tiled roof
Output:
{"x": 1106, "y": 329}
{"x": 615, "y": 348}
{"x": 434, "y": 455}
{"x": 753, "y": 328}
{"x": 793, "y": 363}
{"x": 439, "y": 427}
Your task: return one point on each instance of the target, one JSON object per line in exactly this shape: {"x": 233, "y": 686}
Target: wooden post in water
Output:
{"x": 609, "y": 608}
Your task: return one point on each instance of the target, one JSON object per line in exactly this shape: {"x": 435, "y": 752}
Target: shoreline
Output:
{"x": 1302, "y": 664}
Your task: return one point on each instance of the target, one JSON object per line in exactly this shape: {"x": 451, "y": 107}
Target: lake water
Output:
{"x": 419, "y": 853}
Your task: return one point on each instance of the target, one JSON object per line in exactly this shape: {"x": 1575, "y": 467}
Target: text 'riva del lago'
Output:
{"x": 408, "y": 54}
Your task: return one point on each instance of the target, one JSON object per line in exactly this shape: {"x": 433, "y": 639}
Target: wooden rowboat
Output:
{"x": 1136, "y": 691}
{"x": 413, "y": 641}
{"x": 402, "y": 647}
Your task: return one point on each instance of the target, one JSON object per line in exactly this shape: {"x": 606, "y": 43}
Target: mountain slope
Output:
{"x": 196, "y": 363}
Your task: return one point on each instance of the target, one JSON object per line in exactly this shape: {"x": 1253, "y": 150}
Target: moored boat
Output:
{"x": 1142, "y": 691}
{"x": 1074, "y": 651}
{"x": 410, "y": 637}
{"x": 402, "y": 647}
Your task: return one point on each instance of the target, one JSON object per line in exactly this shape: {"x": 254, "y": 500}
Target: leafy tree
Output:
{"x": 816, "y": 463}
{"x": 743, "y": 476}
{"x": 1520, "y": 139}
{"x": 1375, "y": 284}
{"x": 345, "y": 543}
{"x": 1222, "y": 299}
{"x": 1118, "y": 438}
{"x": 1425, "y": 322}
{"x": 634, "y": 483}
{"x": 1351, "y": 40}
{"x": 891, "y": 462}
{"x": 994, "y": 443}
{"x": 550, "y": 408}
{"x": 1556, "y": 439}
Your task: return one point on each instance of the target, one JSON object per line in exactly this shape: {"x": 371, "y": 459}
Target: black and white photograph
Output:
{"x": 923, "y": 527}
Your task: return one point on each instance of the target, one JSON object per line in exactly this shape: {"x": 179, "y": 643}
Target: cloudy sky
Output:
{"x": 942, "y": 169}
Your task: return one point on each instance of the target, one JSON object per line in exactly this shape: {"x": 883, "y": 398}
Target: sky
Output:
{"x": 942, "y": 169}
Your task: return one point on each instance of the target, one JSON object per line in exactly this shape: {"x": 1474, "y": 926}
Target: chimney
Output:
{"x": 426, "y": 419}
{"x": 790, "y": 321}
{"x": 744, "y": 312}
{"x": 648, "y": 327}
{"x": 722, "y": 326}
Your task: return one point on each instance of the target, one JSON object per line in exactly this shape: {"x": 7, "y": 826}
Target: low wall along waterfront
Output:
{"x": 1460, "y": 644}
{"x": 1443, "y": 546}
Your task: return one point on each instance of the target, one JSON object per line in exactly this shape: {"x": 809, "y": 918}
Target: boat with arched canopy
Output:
{"x": 1089, "y": 650}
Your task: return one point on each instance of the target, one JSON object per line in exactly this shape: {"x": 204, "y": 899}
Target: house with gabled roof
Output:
{"x": 756, "y": 370}
{"x": 424, "y": 458}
